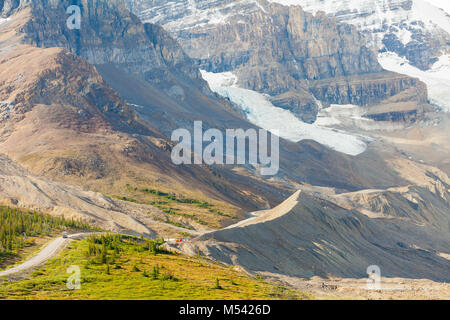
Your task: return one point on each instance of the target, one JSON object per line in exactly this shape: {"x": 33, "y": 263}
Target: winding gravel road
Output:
{"x": 44, "y": 255}
{"x": 50, "y": 251}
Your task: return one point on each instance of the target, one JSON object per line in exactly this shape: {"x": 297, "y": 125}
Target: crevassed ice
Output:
{"x": 261, "y": 112}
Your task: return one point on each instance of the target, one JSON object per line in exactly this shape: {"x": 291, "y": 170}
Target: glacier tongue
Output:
{"x": 261, "y": 112}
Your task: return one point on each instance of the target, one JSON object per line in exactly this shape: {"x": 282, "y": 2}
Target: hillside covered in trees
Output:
{"x": 18, "y": 228}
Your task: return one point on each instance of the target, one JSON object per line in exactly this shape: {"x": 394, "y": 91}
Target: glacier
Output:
{"x": 437, "y": 78}
{"x": 261, "y": 112}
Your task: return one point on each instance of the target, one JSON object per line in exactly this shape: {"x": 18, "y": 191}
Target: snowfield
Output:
{"x": 421, "y": 9}
{"x": 261, "y": 112}
{"x": 441, "y": 4}
{"x": 186, "y": 14}
{"x": 372, "y": 15}
{"x": 437, "y": 78}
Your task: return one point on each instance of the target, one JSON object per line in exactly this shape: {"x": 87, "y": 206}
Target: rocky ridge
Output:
{"x": 311, "y": 235}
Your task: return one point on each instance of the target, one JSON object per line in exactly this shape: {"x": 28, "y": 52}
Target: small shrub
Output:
{"x": 169, "y": 276}
{"x": 217, "y": 286}
{"x": 155, "y": 272}
{"x": 135, "y": 269}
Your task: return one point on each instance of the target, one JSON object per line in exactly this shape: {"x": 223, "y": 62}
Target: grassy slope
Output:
{"x": 130, "y": 277}
{"x": 182, "y": 211}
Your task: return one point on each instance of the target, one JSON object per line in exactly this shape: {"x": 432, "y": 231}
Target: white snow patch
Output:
{"x": 380, "y": 6}
{"x": 188, "y": 14}
{"x": 437, "y": 78}
{"x": 441, "y": 4}
{"x": 404, "y": 36}
{"x": 217, "y": 80}
{"x": 431, "y": 15}
{"x": 261, "y": 112}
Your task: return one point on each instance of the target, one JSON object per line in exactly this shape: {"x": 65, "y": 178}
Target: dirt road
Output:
{"x": 44, "y": 255}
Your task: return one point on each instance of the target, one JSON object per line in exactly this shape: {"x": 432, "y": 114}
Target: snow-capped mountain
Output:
{"x": 186, "y": 14}
{"x": 289, "y": 63}
{"x": 299, "y": 59}
{"x": 413, "y": 36}
{"x": 418, "y": 30}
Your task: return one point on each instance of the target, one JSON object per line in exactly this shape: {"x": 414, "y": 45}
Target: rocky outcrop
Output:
{"x": 54, "y": 76}
{"x": 155, "y": 55}
{"x": 422, "y": 51}
{"x": 8, "y": 6}
{"x": 369, "y": 89}
{"x": 415, "y": 29}
{"x": 299, "y": 102}
{"x": 283, "y": 51}
{"x": 407, "y": 106}
{"x": 309, "y": 236}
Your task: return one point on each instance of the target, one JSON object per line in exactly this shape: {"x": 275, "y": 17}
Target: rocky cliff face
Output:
{"x": 108, "y": 31}
{"x": 292, "y": 55}
{"x": 414, "y": 29}
{"x": 54, "y": 76}
{"x": 8, "y": 6}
